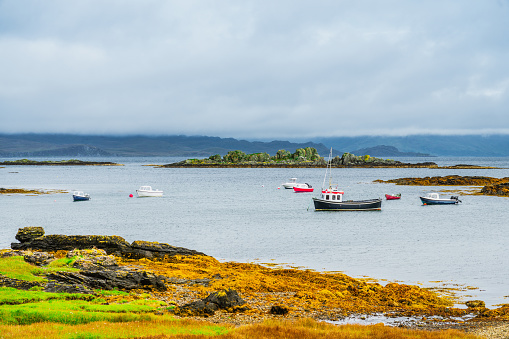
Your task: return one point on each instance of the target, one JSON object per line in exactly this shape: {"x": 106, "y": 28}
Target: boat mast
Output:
{"x": 329, "y": 168}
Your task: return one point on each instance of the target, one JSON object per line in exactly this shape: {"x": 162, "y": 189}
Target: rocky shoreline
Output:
{"x": 71, "y": 162}
{"x": 198, "y": 286}
{"x": 28, "y": 191}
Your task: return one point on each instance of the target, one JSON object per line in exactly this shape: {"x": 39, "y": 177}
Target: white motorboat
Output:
{"x": 147, "y": 191}
{"x": 434, "y": 199}
{"x": 290, "y": 184}
{"x": 80, "y": 196}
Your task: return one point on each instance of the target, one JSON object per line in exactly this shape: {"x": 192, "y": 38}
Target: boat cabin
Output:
{"x": 433, "y": 196}
{"x": 332, "y": 194}
{"x": 145, "y": 188}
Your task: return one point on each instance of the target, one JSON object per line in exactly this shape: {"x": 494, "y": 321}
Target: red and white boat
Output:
{"x": 299, "y": 188}
{"x": 393, "y": 196}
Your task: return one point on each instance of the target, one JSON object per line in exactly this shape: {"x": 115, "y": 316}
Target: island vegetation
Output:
{"x": 70, "y": 162}
{"x": 104, "y": 287}
{"x": 302, "y": 157}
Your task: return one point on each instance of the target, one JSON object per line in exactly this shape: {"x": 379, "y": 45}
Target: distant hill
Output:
{"x": 69, "y": 145}
{"x": 496, "y": 145}
{"x": 387, "y": 151}
{"x": 26, "y": 145}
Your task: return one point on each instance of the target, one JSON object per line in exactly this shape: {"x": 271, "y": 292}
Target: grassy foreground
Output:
{"x": 166, "y": 327}
{"x": 149, "y": 314}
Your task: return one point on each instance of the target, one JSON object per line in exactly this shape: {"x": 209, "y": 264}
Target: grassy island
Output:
{"x": 63, "y": 293}
{"x": 70, "y": 162}
{"x": 302, "y": 158}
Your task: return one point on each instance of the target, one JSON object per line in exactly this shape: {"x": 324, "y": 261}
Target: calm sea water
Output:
{"x": 241, "y": 215}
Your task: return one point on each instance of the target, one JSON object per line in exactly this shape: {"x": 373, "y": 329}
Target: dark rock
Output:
{"x": 55, "y": 242}
{"x": 113, "y": 245}
{"x": 279, "y": 310}
{"x": 127, "y": 279}
{"x": 26, "y": 234}
{"x": 54, "y": 286}
{"x": 19, "y": 284}
{"x": 156, "y": 250}
{"x": 39, "y": 258}
{"x": 225, "y": 299}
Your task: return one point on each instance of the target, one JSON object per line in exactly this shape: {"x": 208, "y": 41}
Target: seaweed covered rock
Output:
{"x": 27, "y": 234}
{"x": 279, "y": 310}
{"x": 39, "y": 258}
{"x": 225, "y": 299}
{"x": 92, "y": 259}
{"x": 501, "y": 190}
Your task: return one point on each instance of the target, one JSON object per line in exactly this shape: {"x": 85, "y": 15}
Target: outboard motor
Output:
{"x": 454, "y": 197}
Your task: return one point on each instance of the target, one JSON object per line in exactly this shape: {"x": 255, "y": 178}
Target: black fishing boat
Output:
{"x": 331, "y": 199}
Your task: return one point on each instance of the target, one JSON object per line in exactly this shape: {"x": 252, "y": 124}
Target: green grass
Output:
{"x": 12, "y": 296}
{"x": 26, "y": 307}
{"x": 17, "y": 268}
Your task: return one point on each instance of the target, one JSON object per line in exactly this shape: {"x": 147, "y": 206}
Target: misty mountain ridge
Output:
{"x": 387, "y": 151}
{"x": 39, "y": 145}
{"x": 70, "y": 145}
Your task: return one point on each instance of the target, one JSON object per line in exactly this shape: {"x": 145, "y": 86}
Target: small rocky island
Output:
{"x": 302, "y": 158}
{"x": 71, "y": 162}
{"x": 490, "y": 186}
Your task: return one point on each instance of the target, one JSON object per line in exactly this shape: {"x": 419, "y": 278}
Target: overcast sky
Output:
{"x": 255, "y": 69}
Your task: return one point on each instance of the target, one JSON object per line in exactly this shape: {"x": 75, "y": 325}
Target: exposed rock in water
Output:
{"x": 450, "y": 180}
{"x": 501, "y": 190}
{"x": 226, "y": 299}
{"x": 110, "y": 244}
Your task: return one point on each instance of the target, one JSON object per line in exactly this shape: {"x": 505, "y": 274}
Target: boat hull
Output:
{"x": 428, "y": 201}
{"x": 361, "y": 205}
{"x": 301, "y": 190}
{"x": 142, "y": 194}
{"x": 392, "y": 197}
{"x": 78, "y": 198}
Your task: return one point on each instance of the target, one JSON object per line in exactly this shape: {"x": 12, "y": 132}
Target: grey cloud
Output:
{"x": 250, "y": 69}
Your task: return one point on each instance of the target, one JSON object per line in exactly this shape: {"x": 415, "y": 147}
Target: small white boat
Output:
{"x": 147, "y": 191}
{"x": 290, "y": 184}
{"x": 80, "y": 196}
{"x": 434, "y": 199}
